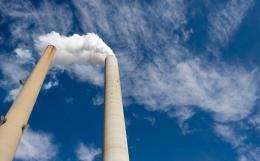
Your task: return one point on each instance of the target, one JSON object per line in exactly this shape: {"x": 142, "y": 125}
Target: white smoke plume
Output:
{"x": 79, "y": 55}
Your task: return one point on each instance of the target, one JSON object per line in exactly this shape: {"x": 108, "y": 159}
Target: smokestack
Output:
{"x": 115, "y": 140}
{"x": 17, "y": 117}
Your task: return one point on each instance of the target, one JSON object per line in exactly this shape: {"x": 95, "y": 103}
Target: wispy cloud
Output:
{"x": 249, "y": 153}
{"x": 12, "y": 94}
{"x": 15, "y": 68}
{"x": 36, "y": 146}
{"x": 225, "y": 21}
{"x": 127, "y": 25}
{"x": 228, "y": 133}
{"x": 151, "y": 120}
{"x": 29, "y": 21}
{"x": 245, "y": 151}
{"x": 226, "y": 92}
{"x": 50, "y": 84}
{"x": 87, "y": 153}
{"x": 98, "y": 100}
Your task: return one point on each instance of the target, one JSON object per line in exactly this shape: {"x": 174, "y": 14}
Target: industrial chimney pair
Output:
{"x": 115, "y": 141}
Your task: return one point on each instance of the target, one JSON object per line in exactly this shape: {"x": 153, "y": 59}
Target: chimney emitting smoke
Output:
{"x": 115, "y": 140}
{"x": 18, "y": 115}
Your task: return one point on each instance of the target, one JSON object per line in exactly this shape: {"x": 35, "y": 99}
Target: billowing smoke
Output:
{"x": 79, "y": 55}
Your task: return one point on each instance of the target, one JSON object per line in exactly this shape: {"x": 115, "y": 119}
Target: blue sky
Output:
{"x": 189, "y": 74}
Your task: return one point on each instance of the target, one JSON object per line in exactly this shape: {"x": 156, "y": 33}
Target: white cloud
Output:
{"x": 87, "y": 153}
{"x": 12, "y": 94}
{"x": 228, "y": 134}
{"x": 151, "y": 120}
{"x": 13, "y": 71}
{"x": 29, "y": 21}
{"x": 98, "y": 100}
{"x": 23, "y": 54}
{"x": 245, "y": 151}
{"x": 228, "y": 93}
{"x": 50, "y": 84}
{"x": 126, "y": 24}
{"x": 254, "y": 120}
{"x": 36, "y": 146}
{"x": 182, "y": 114}
{"x": 249, "y": 153}
{"x": 17, "y": 68}
{"x": 225, "y": 21}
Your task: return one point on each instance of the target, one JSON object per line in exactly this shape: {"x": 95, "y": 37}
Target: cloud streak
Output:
{"x": 245, "y": 151}
{"x": 87, "y": 153}
{"x": 227, "y": 93}
{"x": 225, "y": 21}
{"x": 29, "y": 21}
{"x": 36, "y": 146}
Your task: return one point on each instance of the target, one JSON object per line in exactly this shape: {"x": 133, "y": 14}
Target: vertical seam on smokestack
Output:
{"x": 104, "y": 112}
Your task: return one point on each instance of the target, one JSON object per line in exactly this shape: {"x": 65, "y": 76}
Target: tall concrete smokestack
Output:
{"x": 17, "y": 117}
{"x": 115, "y": 141}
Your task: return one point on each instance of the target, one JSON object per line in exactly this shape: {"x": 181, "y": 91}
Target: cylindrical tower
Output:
{"x": 17, "y": 117}
{"x": 115, "y": 140}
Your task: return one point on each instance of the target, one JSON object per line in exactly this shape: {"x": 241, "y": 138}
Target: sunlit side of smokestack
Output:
{"x": 115, "y": 140}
